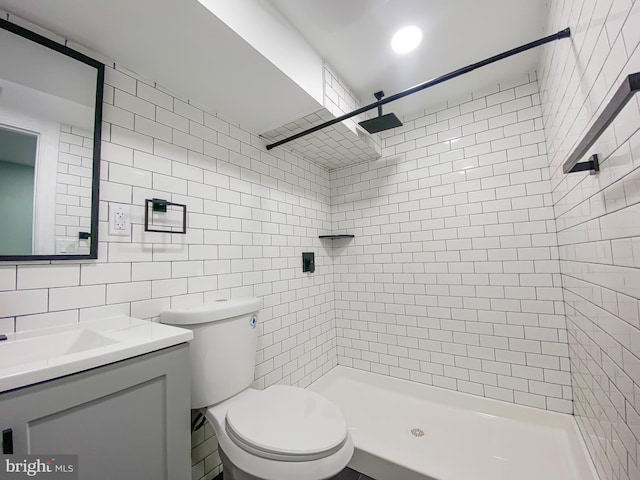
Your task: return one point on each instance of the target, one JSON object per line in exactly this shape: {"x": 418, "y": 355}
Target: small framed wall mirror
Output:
{"x": 50, "y": 132}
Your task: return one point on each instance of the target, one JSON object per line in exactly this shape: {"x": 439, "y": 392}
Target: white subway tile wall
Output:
{"x": 339, "y": 145}
{"x": 204, "y": 452}
{"x": 453, "y": 276}
{"x": 73, "y": 189}
{"x": 331, "y": 147}
{"x": 251, "y": 215}
{"x": 598, "y": 221}
{"x": 339, "y": 100}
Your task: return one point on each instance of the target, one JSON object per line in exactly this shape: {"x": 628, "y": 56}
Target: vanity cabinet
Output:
{"x": 125, "y": 420}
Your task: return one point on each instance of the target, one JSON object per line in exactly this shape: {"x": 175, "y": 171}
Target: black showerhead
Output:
{"x": 381, "y": 122}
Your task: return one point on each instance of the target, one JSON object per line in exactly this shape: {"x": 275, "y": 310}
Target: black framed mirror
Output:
{"x": 50, "y": 134}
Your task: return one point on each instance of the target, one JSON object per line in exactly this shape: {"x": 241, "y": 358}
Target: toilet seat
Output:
{"x": 287, "y": 424}
{"x": 267, "y": 468}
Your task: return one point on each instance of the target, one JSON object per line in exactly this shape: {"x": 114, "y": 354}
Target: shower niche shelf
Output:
{"x": 335, "y": 237}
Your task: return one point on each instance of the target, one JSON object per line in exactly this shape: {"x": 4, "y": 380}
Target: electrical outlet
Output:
{"x": 119, "y": 220}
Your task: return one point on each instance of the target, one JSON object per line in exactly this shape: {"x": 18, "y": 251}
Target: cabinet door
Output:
{"x": 127, "y": 420}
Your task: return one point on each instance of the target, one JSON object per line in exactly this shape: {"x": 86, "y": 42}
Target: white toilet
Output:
{"x": 280, "y": 433}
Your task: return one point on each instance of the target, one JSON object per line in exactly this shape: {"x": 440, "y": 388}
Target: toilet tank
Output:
{"x": 223, "y": 349}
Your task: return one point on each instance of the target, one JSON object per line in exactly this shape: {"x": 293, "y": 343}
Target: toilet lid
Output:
{"x": 287, "y": 421}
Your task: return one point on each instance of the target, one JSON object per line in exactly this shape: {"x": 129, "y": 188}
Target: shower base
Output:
{"x": 408, "y": 431}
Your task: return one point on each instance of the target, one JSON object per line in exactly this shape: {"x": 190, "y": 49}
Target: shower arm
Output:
{"x": 566, "y": 33}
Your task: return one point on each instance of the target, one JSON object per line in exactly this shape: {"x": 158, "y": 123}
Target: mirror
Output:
{"x": 50, "y": 123}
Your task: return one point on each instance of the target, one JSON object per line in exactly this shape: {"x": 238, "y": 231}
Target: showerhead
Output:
{"x": 381, "y": 122}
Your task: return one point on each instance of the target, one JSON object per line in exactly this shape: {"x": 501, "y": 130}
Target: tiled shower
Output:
{"x": 477, "y": 265}
{"x": 454, "y": 280}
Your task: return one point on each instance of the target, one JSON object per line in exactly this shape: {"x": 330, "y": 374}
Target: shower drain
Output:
{"x": 417, "y": 432}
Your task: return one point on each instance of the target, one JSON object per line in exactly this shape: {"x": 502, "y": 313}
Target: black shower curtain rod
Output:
{"x": 430, "y": 83}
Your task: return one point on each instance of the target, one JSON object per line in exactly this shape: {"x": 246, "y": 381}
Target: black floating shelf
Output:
{"x": 333, "y": 237}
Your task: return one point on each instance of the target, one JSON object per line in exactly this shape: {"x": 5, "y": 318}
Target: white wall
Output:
{"x": 598, "y": 220}
{"x": 251, "y": 215}
{"x": 453, "y": 276}
{"x": 73, "y": 190}
{"x": 264, "y": 28}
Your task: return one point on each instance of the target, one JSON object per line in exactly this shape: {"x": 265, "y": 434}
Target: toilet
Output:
{"x": 279, "y": 433}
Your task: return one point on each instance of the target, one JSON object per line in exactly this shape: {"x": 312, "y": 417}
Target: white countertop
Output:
{"x": 30, "y": 357}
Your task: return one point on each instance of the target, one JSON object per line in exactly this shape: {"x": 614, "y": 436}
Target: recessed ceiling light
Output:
{"x": 406, "y": 39}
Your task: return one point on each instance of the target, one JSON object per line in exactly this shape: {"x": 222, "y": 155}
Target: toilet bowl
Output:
{"x": 279, "y": 433}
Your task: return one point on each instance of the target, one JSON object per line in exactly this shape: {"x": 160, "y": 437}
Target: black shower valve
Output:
{"x": 308, "y": 262}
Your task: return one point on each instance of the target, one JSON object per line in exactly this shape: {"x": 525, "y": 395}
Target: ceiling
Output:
{"x": 185, "y": 48}
{"x": 354, "y": 38}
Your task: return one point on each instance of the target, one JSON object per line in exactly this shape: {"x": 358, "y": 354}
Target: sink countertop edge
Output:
{"x": 148, "y": 337}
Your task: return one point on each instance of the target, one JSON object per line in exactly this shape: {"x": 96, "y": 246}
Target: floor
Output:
{"x": 346, "y": 474}
{"x": 349, "y": 474}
